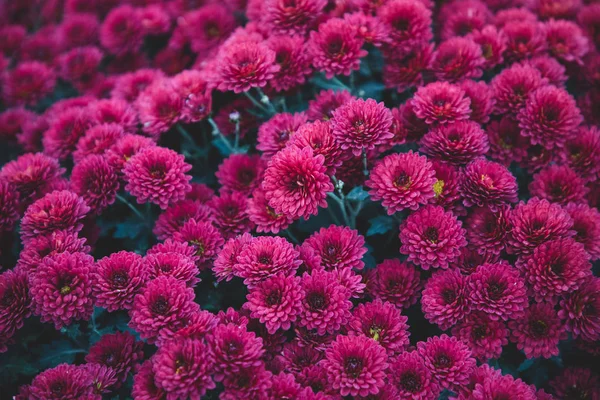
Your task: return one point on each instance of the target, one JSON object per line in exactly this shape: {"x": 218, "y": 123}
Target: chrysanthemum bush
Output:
{"x": 308, "y": 199}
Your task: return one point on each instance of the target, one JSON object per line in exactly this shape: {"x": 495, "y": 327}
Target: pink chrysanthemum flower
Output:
{"x": 251, "y": 383}
{"x": 360, "y": 125}
{"x": 293, "y": 61}
{"x": 154, "y": 19}
{"x": 296, "y": 183}
{"x": 486, "y": 183}
{"x": 200, "y": 324}
{"x": 441, "y": 102}
{"x": 394, "y": 281}
{"x": 513, "y": 86}
{"x": 525, "y": 39}
{"x": 182, "y": 369}
{"x": 118, "y": 278}
{"x": 206, "y": 27}
{"x": 368, "y": 27}
{"x": 409, "y": 23}
{"x": 538, "y": 332}
{"x": 176, "y": 215}
{"x": 274, "y": 134}
{"x": 492, "y": 43}
{"x": 351, "y": 281}
{"x": 63, "y": 382}
{"x": 457, "y": 59}
{"x": 45, "y": 245}
{"x": 551, "y": 70}
{"x": 203, "y": 237}
{"x": 80, "y": 67}
{"x": 383, "y": 323}
{"x": 240, "y": 173}
{"x": 462, "y": 18}
{"x": 432, "y": 237}
{"x": 129, "y": 85}
{"x": 445, "y": 299}
{"x": 295, "y": 357}
{"x": 119, "y": 351}
{"x": 575, "y": 383}
{"x": 484, "y": 336}
{"x": 319, "y": 137}
{"x": 404, "y": 180}
{"x": 285, "y": 386}
{"x": 497, "y": 290}
{"x": 491, "y": 384}
{"x": 124, "y": 148}
{"x": 325, "y": 304}
{"x": 195, "y": 94}
{"x": 325, "y": 103}
{"x": 487, "y": 230}
{"x": 144, "y": 386}
{"x": 58, "y": 210}
{"x": 580, "y": 309}
{"x": 121, "y": 32}
{"x": 506, "y": 143}
{"x": 335, "y": 49}
{"x": 275, "y": 302}
{"x": 61, "y": 288}
{"x": 482, "y": 101}
{"x": 582, "y": 153}
{"x": 66, "y": 129}
{"x": 177, "y": 265}
{"x": 230, "y": 212}
{"x": 586, "y": 224}
{"x": 234, "y": 350}
{"x": 96, "y": 182}
{"x": 558, "y": 184}
{"x": 104, "y": 379}
{"x": 265, "y": 256}
{"x": 27, "y": 83}
{"x": 15, "y": 305}
{"x": 566, "y": 40}
{"x": 114, "y": 111}
{"x": 550, "y": 117}
{"x": 157, "y": 175}
{"x": 338, "y": 247}
{"x": 281, "y": 17}
{"x": 97, "y": 140}
{"x": 446, "y": 188}
{"x": 9, "y": 206}
{"x": 13, "y": 120}
{"x": 159, "y": 106}
{"x": 457, "y": 143}
{"x": 200, "y": 192}
{"x": 449, "y": 359}
{"x": 412, "y": 378}
{"x": 537, "y": 222}
{"x": 164, "y": 303}
{"x": 356, "y": 365}
{"x": 406, "y": 70}
{"x": 263, "y": 215}
{"x": 244, "y": 65}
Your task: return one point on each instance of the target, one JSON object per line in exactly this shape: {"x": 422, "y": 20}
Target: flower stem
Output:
{"x": 292, "y": 237}
{"x": 365, "y": 162}
{"x": 341, "y": 84}
{"x": 256, "y": 102}
{"x": 342, "y": 205}
{"x": 131, "y": 207}
{"x": 265, "y": 100}
{"x": 217, "y": 132}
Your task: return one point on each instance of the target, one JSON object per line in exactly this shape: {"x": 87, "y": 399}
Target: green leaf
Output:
{"x": 57, "y": 352}
{"x": 130, "y": 229}
{"x": 372, "y": 90}
{"x": 380, "y": 225}
{"x": 527, "y": 364}
{"x": 222, "y": 147}
{"x": 358, "y": 194}
{"x": 71, "y": 331}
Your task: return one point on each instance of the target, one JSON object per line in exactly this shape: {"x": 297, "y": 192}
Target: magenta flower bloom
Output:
{"x": 230, "y": 212}
{"x": 484, "y": 336}
{"x": 264, "y": 216}
{"x": 338, "y": 247}
{"x": 412, "y": 378}
{"x": 581, "y": 310}
{"x": 445, "y": 299}
{"x": 558, "y": 184}
{"x": 406, "y": 70}
{"x": 582, "y": 153}
{"x": 335, "y": 48}
{"x": 449, "y": 359}
{"x": 177, "y": 265}
{"x": 159, "y": 107}
{"x": 130, "y": 85}
{"x": 118, "y": 278}
{"x": 482, "y": 100}
{"x": 171, "y": 246}
{"x": 457, "y": 143}
{"x": 240, "y": 173}
{"x": 244, "y": 65}
{"x": 27, "y": 83}
{"x": 104, "y": 379}
{"x": 582, "y": 382}
{"x": 203, "y": 237}
{"x": 446, "y": 188}
{"x": 61, "y": 288}
{"x": 275, "y": 302}
{"x": 15, "y": 305}
{"x": 550, "y": 117}
{"x": 144, "y": 386}
{"x": 396, "y": 282}
{"x": 234, "y": 349}
{"x": 195, "y": 93}
{"x": 9, "y": 206}
{"x": 383, "y": 323}
{"x": 182, "y": 369}
{"x": 63, "y": 382}
{"x": 121, "y": 31}
{"x": 586, "y": 224}
{"x": 80, "y": 67}
{"x": 404, "y": 180}
{"x": 497, "y": 290}
{"x": 96, "y": 182}
{"x": 164, "y": 303}
{"x": 326, "y": 302}
{"x": 492, "y": 43}
{"x": 537, "y": 222}
{"x": 251, "y": 383}
{"x": 206, "y": 27}
{"x": 97, "y": 140}
{"x": 58, "y": 210}
{"x": 506, "y": 143}
{"x": 176, "y": 215}
{"x": 456, "y": 59}
{"x": 66, "y": 129}
{"x": 325, "y": 103}
{"x": 566, "y": 40}
{"x": 200, "y": 324}
{"x": 513, "y": 86}
{"x": 461, "y": 19}
{"x": 492, "y": 384}
{"x": 274, "y": 134}
{"x": 432, "y": 237}
{"x": 46, "y": 245}
{"x": 487, "y": 230}
{"x": 293, "y": 61}
{"x": 356, "y": 365}
{"x": 158, "y": 175}
{"x": 551, "y": 70}
{"x": 124, "y": 148}
{"x": 486, "y": 183}
{"x": 538, "y": 332}
{"x": 409, "y": 23}
{"x": 296, "y": 183}
{"x": 119, "y": 351}
{"x": 291, "y": 19}
{"x": 525, "y": 39}
{"x": 441, "y": 102}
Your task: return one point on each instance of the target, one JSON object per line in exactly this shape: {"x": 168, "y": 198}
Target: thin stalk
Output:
{"x": 236, "y": 142}
{"x": 217, "y": 132}
{"x": 131, "y": 207}
{"x": 340, "y": 84}
{"x": 341, "y": 204}
{"x": 365, "y": 164}
{"x": 265, "y": 100}
{"x": 293, "y": 238}
{"x": 256, "y": 102}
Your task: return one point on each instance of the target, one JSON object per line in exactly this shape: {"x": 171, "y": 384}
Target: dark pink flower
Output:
{"x": 234, "y": 349}
{"x": 263, "y": 215}
{"x": 281, "y": 17}
{"x": 164, "y": 303}
{"x": 405, "y": 70}
{"x": 325, "y": 103}
{"x": 157, "y": 175}
{"x": 292, "y": 58}
{"x": 197, "y": 326}
{"x": 576, "y": 382}
{"x": 159, "y": 106}
{"x": 80, "y": 67}
{"x": 195, "y": 94}
{"x": 206, "y": 27}
{"x": 97, "y": 140}
{"x": 538, "y": 332}
{"x": 446, "y": 188}
{"x": 462, "y": 18}
{"x": 66, "y": 129}
{"x": 412, "y": 378}
{"x": 104, "y": 379}
{"x": 27, "y": 83}
{"x": 203, "y": 237}
{"x": 274, "y": 134}
{"x": 118, "y": 278}
{"x": 394, "y": 281}
{"x": 492, "y": 43}
{"x": 122, "y": 31}
{"x": 487, "y": 230}
{"x": 176, "y": 215}
{"x": 338, "y": 247}
{"x": 61, "y": 288}
{"x": 588, "y": 18}
{"x": 144, "y": 385}
{"x": 445, "y": 299}
{"x": 63, "y": 382}
{"x": 456, "y": 59}
{"x": 581, "y": 310}
{"x": 409, "y": 23}
{"x": 124, "y": 148}
{"x": 177, "y": 265}
{"x": 119, "y": 351}
{"x": 457, "y": 143}
{"x": 154, "y": 19}
{"x": 240, "y": 173}
{"x": 550, "y": 117}
{"x": 586, "y": 224}
{"x": 368, "y": 27}
{"x": 441, "y": 102}
{"x": 356, "y": 365}
{"x": 566, "y": 40}
{"x": 45, "y": 245}
{"x": 12, "y": 122}
{"x": 231, "y": 214}
{"x": 114, "y": 111}
{"x": 432, "y": 237}
{"x": 320, "y": 138}
{"x": 250, "y": 383}
{"x": 130, "y": 85}
{"x": 497, "y": 290}
{"x": 513, "y": 86}
{"x": 582, "y": 153}
{"x": 525, "y": 39}
{"x": 486, "y": 183}
{"x": 404, "y": 180}
{"x": 449, "y": 359}
{"x": 551, "y": 70}
{"x": 295, "y": 357}
{"x": 491, "y": 384}
{"x": 482, "y": 100}
{"x": 96, "y": 182}
{"x": 484, "y": 336}
{"x": 335, "y": 49}
{"x": 506, "y": 143}
{"x": 558, "y": 184}
{"x": 15, "y": 304}
{"x": 9, "y": 206}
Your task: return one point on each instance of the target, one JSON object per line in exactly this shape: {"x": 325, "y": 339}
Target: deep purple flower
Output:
{"x": 338, "y": 247}
{"x": 119, "y": 351}
{"x": 484, "y": 336}
{"x": 234, "y": 349}
{"x": 118, "y": 278}
{"x": 449, "y": 359}
{"x": 457, "y": 143}
{"x": 394, "y": 281}
{"x": 441, "y": 102}
{"x": 486, "y": 183}
{"x": 581, "y": 310}
{"x": 538, "y": 332}
{"x": 412, "y": 378}
{"x": 445, "y": 298}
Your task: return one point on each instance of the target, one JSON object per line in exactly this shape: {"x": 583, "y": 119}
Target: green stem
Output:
{"x": 256, "y": 102}
{"x": 365, "y": 162}
{"x": 131, "y": 207}
{"x": 217, "y": 132}
{"x": 265, "y": 100}
{"x": 293, "y": 238}
{"x": 341, "y": 204}
{"x": 236, "y": 142}
{"x": 340, "y": 84}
